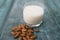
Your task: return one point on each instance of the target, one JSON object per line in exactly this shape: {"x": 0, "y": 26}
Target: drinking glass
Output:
{"x": 33, "y": 13}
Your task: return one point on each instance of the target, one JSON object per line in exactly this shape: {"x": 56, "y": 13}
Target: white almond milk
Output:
{"x": 33, "y": 14}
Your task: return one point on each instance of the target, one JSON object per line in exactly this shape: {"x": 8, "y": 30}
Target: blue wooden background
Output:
{"x": 11, "y": 12}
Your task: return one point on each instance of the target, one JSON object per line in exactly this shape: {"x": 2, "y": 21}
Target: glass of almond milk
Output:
{"x": 33, "y": 14}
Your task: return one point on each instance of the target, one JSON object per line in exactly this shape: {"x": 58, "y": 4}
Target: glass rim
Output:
{"x": 36, "y": 3}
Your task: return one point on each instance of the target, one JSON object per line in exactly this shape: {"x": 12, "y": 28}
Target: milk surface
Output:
{"x": 33, "y": 14}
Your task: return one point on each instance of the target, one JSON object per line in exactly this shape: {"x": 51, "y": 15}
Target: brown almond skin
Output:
{"x": 17, "y": 35}
{"x": 20, "y": 38}
{"x": 27, "y": 27}
{"x": 36, "y": 30}
{"x": 30, "y": 30}
{"x": 22, "y": 26}
{"x": 19, "y": 26}
{"x": 30, "y": 39}
{"x": 24, "y": 38}
{"x": 23, "y": 35}
{"x": 24, "y": 30}
{"x": 27, "y": 37}
{"x": 33, "y": 37}
{"x": 30, "y": 34}
{"x": 14, "y": 28}
{"x": 13, "y": 33}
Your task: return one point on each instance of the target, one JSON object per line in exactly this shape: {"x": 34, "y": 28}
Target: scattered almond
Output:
{"x": 23, "y": 32}
{"x": 36, "y": 30}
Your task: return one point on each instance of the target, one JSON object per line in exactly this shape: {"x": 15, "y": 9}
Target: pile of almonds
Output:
{"x": 23, "y": 32}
